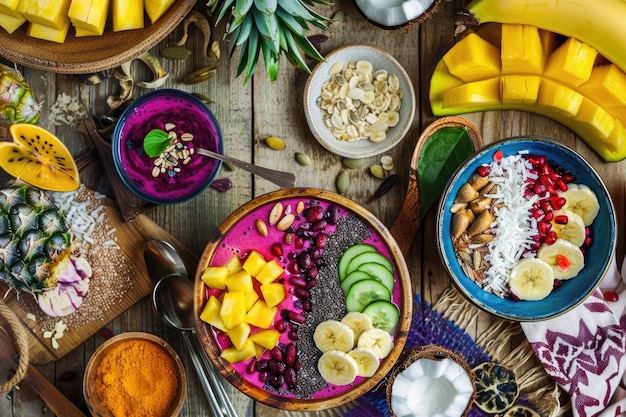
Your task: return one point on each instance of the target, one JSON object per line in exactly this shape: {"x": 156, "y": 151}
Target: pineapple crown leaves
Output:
{"x": 269, "y": 28}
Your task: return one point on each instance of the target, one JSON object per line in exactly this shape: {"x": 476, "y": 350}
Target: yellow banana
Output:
{"x": 599, "y": 24}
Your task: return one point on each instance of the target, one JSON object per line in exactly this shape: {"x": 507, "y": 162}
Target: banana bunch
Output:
{"x": 524, "y": 66}
{"x": 533, "y": 278}
{"x": 350, "y": 348}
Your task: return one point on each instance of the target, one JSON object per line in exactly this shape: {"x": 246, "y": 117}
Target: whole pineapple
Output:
{"x": 269, "y": 28}
{"x": 34, "y": 237}
{"x": 18, "y": 103}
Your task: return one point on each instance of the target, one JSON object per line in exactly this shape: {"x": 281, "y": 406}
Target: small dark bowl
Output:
{"x": 603, "y": 230}
{"x": 182, "y": 181}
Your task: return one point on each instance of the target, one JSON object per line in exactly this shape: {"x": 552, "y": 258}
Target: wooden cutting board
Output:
{"x": 130, "y": 237}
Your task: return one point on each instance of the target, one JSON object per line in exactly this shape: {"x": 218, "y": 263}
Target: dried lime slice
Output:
{"x": 496, "y": 388}
{"x": 521, "y": 411}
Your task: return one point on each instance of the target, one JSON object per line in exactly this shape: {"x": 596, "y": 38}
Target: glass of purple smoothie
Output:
{"x": 178, "y": 173}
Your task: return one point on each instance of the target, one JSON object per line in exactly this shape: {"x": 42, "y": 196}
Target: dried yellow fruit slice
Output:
{"x": 39, "y": 158}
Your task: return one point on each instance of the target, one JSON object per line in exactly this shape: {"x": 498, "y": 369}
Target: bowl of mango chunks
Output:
{"x": 58, "y": 39}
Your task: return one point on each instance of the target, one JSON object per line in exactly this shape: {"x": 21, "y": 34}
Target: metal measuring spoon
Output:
{"x": 162, "y": 259}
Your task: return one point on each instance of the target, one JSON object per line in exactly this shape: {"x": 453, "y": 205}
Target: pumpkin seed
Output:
{"x": 378, "y": 172}
{"x": 175, "y": 52}
{"x": 386, "y": 161}
{"x": 303, "y": 159}
{"x": 275, "y": 143}
{"x": 353, "y": 162}
{"x": 343, "y": 183}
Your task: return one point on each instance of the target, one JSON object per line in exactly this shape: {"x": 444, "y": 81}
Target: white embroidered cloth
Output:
{"x": 584, "y": 350}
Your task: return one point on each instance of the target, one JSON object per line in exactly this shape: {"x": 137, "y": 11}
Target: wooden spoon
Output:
{"x": 55, "y": 400}
{"x": 408, "y": 221}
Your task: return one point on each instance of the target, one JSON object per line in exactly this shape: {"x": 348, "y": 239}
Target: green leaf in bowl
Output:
{"x": 442, "y": 153}
{"x": 155, "y": 142}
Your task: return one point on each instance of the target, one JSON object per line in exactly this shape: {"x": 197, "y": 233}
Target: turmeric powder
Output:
{"x": 137, "y": 378}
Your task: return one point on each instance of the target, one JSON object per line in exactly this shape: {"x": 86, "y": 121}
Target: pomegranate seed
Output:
{"x": 320, "y": 240}
{"x": 539, "y": 189}
{"x": 292, "y": 268}
{"x": 548, "y": 217}
{"x": 587, "y": 242}
{"x": 562, "y": 262}
{"x": 557, "y": 202}
{"x": 312, "y": 273}
{"x": 611, "y": 296}
{"x": 550, "y": 238}
{"x": 293, "y": 336}
{"x": 545, "y": 205}
{"x": 302, "y": 293}
{"x": 544, "y": 227}
{"x": 483, "y": 170}
{"x": 306, "y": 306}
{"x": 296, "y": 317}
{"x": 498, "y": 155}
{"x": 557, "y": 283}
{"x": 568, "y": 177}
{"x": 251, "y": 366}
{"x": 514, "y": 297}
{"x": 299, "y": 242}
{"x": 281, "y": 326}
{"x": 561, "y": 185}
{"x": 290, "y": 354}
{"x": 291, "y": 379}
{"x": 310, "y": 284}
{"x": 561, "y": 219}
{"x": 276, "y": 354}
{"x": 277, "y": 249}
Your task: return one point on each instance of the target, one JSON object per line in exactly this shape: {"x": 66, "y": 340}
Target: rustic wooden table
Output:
{"x": 248, "y": 114}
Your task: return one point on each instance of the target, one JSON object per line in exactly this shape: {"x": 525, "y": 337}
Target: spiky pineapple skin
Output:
{"x": 18, "y": 102}
{"x": 33, "y": 238}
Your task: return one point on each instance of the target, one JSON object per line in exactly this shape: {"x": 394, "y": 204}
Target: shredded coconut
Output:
{"x": 67, "y": 110}
{"x": 514, "y": 229}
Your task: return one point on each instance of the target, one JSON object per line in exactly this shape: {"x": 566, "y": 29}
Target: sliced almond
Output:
{"x": 261, "y": 227}
{"x": 275, "y": 213}
{"x": 285, "y": 222}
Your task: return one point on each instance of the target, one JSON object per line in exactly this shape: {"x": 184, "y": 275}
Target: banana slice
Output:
{"x": 367, "y": 360}
{"x": 531, "y": 279}
{"x": 378, "y": 340}
{"x": 333, "y": 335}
{"x": 337, "y": 367}
{"x": 573, "y": 230}
{"x": 580, "y": 199}
{"x": 565, "y": 258}
{"x": 358, "y": 322}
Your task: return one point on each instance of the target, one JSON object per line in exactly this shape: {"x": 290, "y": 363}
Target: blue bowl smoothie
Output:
{"x": 179, "y": 173}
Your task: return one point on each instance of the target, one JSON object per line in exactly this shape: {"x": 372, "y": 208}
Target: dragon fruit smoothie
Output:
{"x": 243, "y": 237}
{"x": 178, "y": 179}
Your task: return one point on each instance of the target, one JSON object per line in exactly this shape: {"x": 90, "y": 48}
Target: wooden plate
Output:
{"x": 90, "y": 54}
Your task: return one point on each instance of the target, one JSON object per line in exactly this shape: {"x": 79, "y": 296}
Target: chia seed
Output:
{"x": 329, "y": 298}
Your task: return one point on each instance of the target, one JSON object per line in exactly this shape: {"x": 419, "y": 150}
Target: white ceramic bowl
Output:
{"x": 396, "y": 14}
{"x": 316, "y": 117}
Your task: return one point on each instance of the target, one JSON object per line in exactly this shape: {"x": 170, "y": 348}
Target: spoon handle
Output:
{"x": 281, "y": 178}
{"x": 216, "y": 409}
{"x": 56, "y": 401}
{"x": 214, "y": 377}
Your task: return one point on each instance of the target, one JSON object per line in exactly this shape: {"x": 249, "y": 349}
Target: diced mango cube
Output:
{"x": 270, "y": 272}
{"x": 473, "y": 58}
{"x": 571, "y": 63}
{"x": 9, "y": 7}
{"x": 239, "y": 282}
{"x": 233, "y": 309}
{"x": 11, "y": 23}
{"x": 46, "y": 12}
{"x": 239, "y": 334}
{"x": 606, "y": 86}
{"x": 560, "y": 97}
{"x": 127, "y": 15}
{"x": 260, "y": 315}
{"x": 478, "y": 93}
{"x": 519, "y": 88}
{"x": 81, "y": 33}
{"x": 521, "y": 50}
{"x": 597, "y": 118}
{"x": 90, "y": 15}
{"x": 156, "y": 8}
{"x": 260, "y": 350}
{"x": 251, "y": 298}
{"x": 211, "y": 314}
{"x": 549, "y": 41}
{"x": 215, "y": 277}
{"x": 48, "y": 33}
{"x": 234, "y": 265}
{"x": 273, "y": 293}
{"x": 266, "y": 338}
{"x": 617, "y": 140}
{"x": 233, "y": 355}
{"x": 254, "y": 263}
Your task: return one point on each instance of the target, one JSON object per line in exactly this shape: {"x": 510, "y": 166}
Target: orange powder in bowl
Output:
{"x": 137, "y": 378}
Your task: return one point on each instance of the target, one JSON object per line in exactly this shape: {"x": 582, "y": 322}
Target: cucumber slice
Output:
{"x": 353, "y": 278}
{"x": 368, "y": 257}
{"x": 379, "y": 273}
{"x": 349, "y": 254}
{"x": 385, "y": 315}
{"x": 365, "y": 292}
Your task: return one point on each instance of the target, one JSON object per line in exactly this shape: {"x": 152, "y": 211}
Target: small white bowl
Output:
{"x": 315, "y": 118}
{"x": 396, "y": 14}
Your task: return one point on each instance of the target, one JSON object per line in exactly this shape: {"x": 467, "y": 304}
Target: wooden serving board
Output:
{"x": 130, "y": 237}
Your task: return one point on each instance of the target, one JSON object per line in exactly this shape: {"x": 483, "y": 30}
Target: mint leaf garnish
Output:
{"x": 155, "y": 142}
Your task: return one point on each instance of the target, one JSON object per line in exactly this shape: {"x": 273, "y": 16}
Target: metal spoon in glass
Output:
{"x": 281, "y": 178}
{"x": 173, "y": 298}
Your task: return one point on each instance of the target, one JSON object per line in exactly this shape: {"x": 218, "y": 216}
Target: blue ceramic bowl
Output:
{"x": 182, "y": 177}
{"x": 603, "y": 231}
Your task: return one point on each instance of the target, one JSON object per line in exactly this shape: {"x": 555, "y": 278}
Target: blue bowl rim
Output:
{"x": 461, "y": 281}
{"x": 115, "y": 142}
